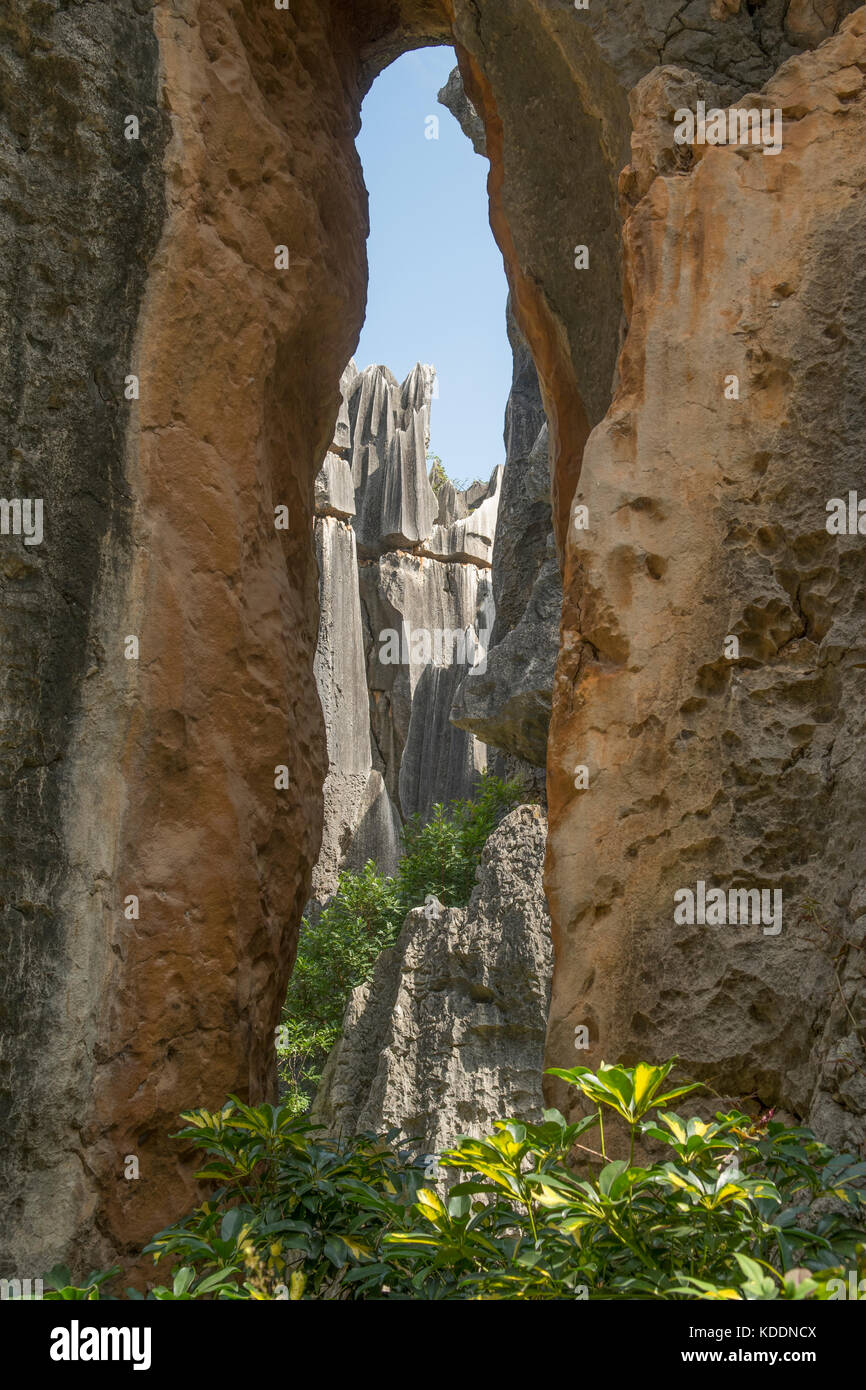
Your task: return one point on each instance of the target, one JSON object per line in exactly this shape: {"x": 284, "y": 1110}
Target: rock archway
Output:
{"x": 155, "y": 874}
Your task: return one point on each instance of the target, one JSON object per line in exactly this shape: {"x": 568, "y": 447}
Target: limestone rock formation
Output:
{"x": 453, "y": 97}
{"x": 390, "y": 428}
{"x": 154, "y": 779}
{"x": 334, "y": 491}
{"x": 356, "y": 803}
{"x": 469, "y": 536}
{"x": 448, "y": 1035}
{"x": 397, "y": 637}
{"x": 506, "y": 701}
{"x": 508, "y": 704}
{"x": 710, "y": 678}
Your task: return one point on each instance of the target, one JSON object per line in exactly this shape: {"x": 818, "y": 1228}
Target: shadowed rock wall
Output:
{"x": 80, "y": 215}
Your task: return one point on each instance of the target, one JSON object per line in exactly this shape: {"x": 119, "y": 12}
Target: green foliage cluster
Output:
{"x": 438, "y": 477}
{"x": 338, "y": 950}
{"x": 727, "y": 1212}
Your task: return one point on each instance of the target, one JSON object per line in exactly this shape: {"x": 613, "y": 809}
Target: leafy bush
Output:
{"x": 733, "y": 1209}
{"x": 338, "y": 950}
{"x": 295, "y": 1216}
{"x": 437, "y": 475}
{"x": 59, "y": 1285}
{"x": 729, "y": 1215}
{"x": 441, "y": 856}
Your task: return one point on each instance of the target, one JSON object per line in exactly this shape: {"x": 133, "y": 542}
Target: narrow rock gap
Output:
{"x": 438, "y": 636}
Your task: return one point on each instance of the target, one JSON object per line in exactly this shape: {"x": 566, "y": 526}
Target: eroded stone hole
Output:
{"x": 161, "y": 263}
{"x": 440, "y": 598}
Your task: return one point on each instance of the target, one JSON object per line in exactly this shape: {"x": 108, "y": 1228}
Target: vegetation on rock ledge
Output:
{"x": 337, "y": 950}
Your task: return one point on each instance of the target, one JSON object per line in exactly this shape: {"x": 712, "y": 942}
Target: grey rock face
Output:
{"x": 81, "y": 214}
{"x": 339, "y": 663}
{"x": 453, "y": 97}
{"x": 334, "y": 492}
{"x": 339, "y": 669}
{"x": 508, "y": 705}
{"x": 390, "y": 429}
{"x": 428, "y": 615}
{"x": 343, "y": 428}
{"x": 448, "y": 1035}
{"x": 398, "y": 633}
{"x": 376, "y": 834}
{"x": 439, "y": 762}
{"x": 469, "y": 537}
{"x": 507, "y": 701}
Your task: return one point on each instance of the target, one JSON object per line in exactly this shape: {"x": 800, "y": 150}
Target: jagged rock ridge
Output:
{"x": 448, "y": 1035}
{"x": 406, "y": 608}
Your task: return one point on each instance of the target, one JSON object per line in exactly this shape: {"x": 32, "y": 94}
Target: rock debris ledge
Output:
{"x": 448, "y": 1035}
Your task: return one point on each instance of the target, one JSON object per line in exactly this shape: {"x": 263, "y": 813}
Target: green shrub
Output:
{"x": 438, "y": 477}
{"x": 728, "y": 1212}
{"x": 337, "y": 951}
{"x": 441, "y": 856}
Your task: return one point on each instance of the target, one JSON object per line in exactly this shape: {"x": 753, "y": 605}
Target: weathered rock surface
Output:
{"x": 707, "y": 521}
{"x": 394, "y": 645}
{"x": 334, "y": 491}
{"x": 354, "y": 795}
{"x": 156, "y": 777}
{"x": 503, "y": 703}
{"x": 390, "y": 427}
{"x": 508, "y": 704}
{"x": 453, "y": 97}
{"x": 448, "y": 1035}
{"x": 467, "y": 538}
{"x": 410, "y": 604}
{"x": 80, "y": 216}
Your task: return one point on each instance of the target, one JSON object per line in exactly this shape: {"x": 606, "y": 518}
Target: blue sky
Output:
{"x": 437, "y": 287}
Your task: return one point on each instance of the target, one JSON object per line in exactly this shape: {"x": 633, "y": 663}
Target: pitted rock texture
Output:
{"x": 706, "y": 521}
{"x": 157, "y": 777}
{"x": 448, "y": 1035}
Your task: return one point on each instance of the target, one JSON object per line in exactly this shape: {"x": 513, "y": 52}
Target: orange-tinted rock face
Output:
{"x": 237, "y": 361}
{"x": 155, "y": 776}
{"x": 739, "y": 765}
